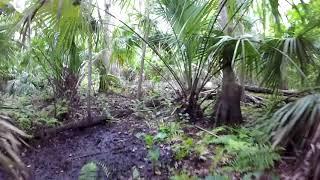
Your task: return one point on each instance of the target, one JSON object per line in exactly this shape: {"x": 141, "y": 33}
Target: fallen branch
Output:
{"x": 87, "y": 155}
{"x": 264, "y": 90}
{"x": 47, "y": 133}
{"x": 206, "y": 131}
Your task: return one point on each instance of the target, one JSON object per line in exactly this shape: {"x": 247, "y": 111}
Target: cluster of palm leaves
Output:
{"x": 296, "y": 126}
{"x": 64, "y": 30}
{"x": 6, "y": 51}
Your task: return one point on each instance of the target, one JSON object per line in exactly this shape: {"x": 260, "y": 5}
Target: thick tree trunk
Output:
{"x": 228, "y": 105}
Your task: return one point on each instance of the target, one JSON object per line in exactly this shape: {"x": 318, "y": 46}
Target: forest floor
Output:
{"x": 124, "y": 145}
{"x": 115, "y": 144}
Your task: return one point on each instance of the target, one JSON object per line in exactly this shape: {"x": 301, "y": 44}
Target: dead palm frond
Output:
{"x": 10, "y": 143}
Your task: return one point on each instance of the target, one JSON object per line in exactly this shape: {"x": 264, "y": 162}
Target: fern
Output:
{"x": 255, "y": 157}
{"x": 104, "y": 168}
{"x": 243, "y": 152}
{"x": 90, "y": 171}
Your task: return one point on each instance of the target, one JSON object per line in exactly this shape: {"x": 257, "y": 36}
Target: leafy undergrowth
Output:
{"x": 221, "y": 152}
{"x": 32, "y": 112}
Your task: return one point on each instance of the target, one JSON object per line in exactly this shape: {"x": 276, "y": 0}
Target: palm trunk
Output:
{"x": 228, "y": 109}
{"x": 144, "y": 49}
{"x": 193, "y": 108}
{"x": 89, "y": 81}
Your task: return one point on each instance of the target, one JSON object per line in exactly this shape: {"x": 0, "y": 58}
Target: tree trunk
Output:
{"x": 193, "y": 108}
{"x": 228, "y": 109}
{"x": 89, "y": 80}
{"x": 107, "y": 53}
{"x": 144, "y": 49}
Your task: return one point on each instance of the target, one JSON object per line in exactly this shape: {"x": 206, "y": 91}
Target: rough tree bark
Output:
{"x": 228, "y": 109}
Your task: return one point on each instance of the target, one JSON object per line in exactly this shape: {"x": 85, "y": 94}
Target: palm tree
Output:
{"x": 64, "y": 26}
{"x": 195, "y": 49}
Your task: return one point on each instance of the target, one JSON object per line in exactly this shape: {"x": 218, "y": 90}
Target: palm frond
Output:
{"x": 10, "y": 143}
{"x": 6, "y": 51}
{"x": 279, "y": 54}
{"x": 295, "y": 123}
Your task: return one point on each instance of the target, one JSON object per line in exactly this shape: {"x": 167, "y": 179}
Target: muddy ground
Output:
{"x": 114, "y": 144}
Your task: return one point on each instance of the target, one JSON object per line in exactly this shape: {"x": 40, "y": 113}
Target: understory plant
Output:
{"x": 238, "y": 150}
{"x": 153, "y": 151}
{"x": 32, "y": 112}
{"x": 296, "y": 127}
{"x": 94, "y": 170}
{"x": 10, "y": 143}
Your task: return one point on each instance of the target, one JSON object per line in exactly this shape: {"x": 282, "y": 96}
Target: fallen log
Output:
{"x": 264, "y": 90}
{"x": 212, "y": 94}
{"x": 47, "y": 133}
{"x": 252, "y": 99}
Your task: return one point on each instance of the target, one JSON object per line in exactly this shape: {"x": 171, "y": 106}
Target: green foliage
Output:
{"x": 89, "y": 172}
{"x": 124, "y": 45}
{"x": 153, "y": 151}
{"x": 167, "y": 132}
{"x": 94, "y": 171}
{"x": 184, "y": 149}
{"x": 241, "y": 152}
{"x": 280, "y": 54}
{"x": 149, "y": 140}
{"x": 29, "y": 112}
{"x": 154, "y": 155}
{"x": 170, "y": 131}
{"x": 254, "y": 157}
{"x": 7, "y": 48}
{"x": 296, "y": 122}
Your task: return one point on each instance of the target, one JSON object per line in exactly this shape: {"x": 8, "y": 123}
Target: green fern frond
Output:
{"x": 104, "y": 168}
{"x": 244, "y": 152}
{"x": 90, "y": 171}
{"x": 256, "y": 157}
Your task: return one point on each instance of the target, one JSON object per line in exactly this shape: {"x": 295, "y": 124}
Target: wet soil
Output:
{"x": 113, "y": 144}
